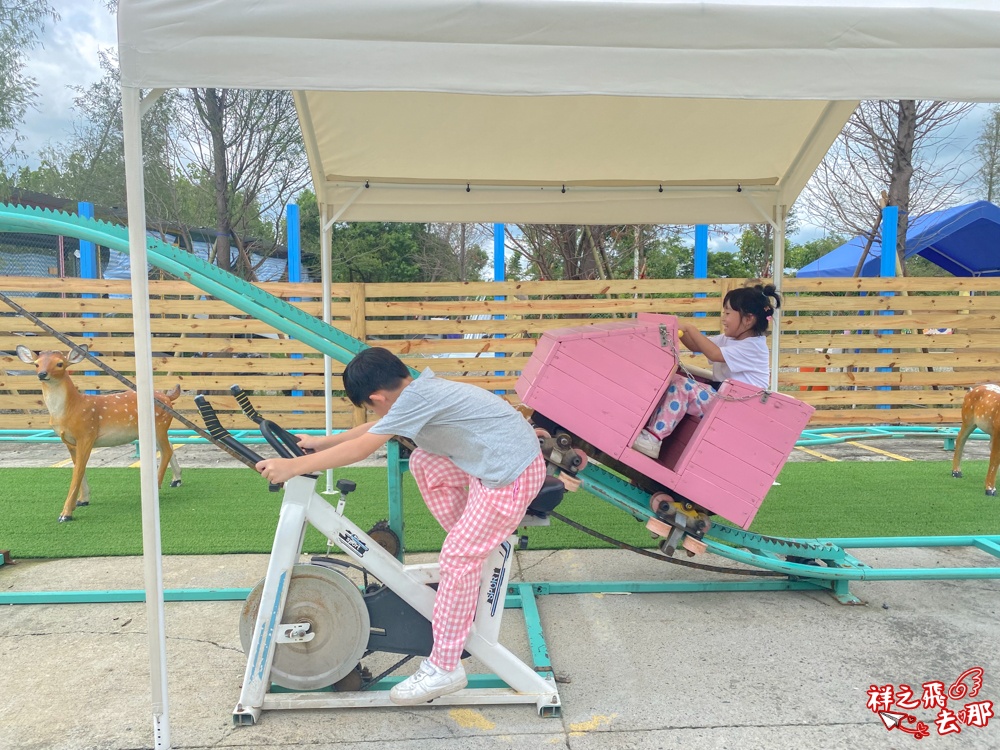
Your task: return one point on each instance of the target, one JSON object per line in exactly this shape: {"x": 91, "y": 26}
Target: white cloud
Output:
{"x": 69, "y": 56}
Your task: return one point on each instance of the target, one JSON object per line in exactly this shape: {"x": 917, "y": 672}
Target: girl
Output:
{"x": 738, "y": 353}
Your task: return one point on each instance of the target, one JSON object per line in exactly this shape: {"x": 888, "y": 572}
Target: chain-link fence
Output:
{"x": 39, "y": 255}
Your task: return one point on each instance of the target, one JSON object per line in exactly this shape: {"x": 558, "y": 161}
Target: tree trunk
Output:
{"x": 902, "y": 170}
{"x": 215, "y": 102}
{"x": 461, "y": 255}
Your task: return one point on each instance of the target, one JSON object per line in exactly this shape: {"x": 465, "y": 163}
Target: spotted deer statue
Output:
{"x": 85, "y": 422}
{"x": 980, "y": 408}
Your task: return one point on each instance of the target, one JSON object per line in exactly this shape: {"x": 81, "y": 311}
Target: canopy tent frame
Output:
{"x": 784, "y": 70}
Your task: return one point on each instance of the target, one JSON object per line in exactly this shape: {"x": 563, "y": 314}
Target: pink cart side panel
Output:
{"x": 643, "y": 347}
{"x": 564, "y": 370}
{"x": 531, "y": 368}
{"x": 543, "y": 349}
{"x": 597, "y": 424}
{"x": 706, "y": 492}
{"x": 617, "y": 366}
{"x": 777, "y": 422}
{"x": 732, "y": 471}
{"x": 738, "y": 413}
{"x": 751, "y": 448}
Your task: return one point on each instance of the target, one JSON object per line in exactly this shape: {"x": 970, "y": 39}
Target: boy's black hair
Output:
{"x": 371, "y": 370}
{"x": 759, "y": 300}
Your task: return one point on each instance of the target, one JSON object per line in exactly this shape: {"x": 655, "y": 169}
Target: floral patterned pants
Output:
{"x": 684, "y": 396}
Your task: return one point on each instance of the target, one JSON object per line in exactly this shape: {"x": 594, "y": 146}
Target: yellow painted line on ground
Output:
{"x": 69, "y": 461}
{"x": 875, "y": 450}
{"x": 817, "y": 454}
{"x": 138, "y": 463}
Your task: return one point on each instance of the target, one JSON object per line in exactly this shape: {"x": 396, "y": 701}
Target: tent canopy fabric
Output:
{"x": 567, "y": 111}
{"x": 964, "y": 241}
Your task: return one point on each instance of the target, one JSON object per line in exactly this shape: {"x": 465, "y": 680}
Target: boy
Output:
{"x": 477, "y": 465}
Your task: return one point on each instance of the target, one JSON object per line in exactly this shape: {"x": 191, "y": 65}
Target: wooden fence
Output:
{"x": 858, "y": 355}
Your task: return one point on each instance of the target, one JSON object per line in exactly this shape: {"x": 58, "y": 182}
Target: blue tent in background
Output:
{"x": 965, "y": 241}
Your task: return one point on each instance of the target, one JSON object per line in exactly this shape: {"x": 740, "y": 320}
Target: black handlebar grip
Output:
{"x": 222, "y": 435}
{"x": 210, "y": 418}
{"x": 244, "y": 401}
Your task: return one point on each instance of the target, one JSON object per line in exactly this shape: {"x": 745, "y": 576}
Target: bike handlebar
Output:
{"x": 283, "y": 442}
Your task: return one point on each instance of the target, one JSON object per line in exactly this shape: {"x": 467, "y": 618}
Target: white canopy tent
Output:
{"x": 557, "y": 111}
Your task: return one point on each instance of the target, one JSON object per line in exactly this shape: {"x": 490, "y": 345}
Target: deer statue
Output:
{"x": 980, "y": 408}
{"x": 86, "y": 421}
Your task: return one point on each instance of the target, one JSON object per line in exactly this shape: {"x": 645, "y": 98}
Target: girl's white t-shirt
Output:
{"x": 746, "y": 360}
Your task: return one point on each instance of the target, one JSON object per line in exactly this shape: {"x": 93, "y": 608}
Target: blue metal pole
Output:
{"x": 293, "y": 230}
{"x": 887, "y": 270}
{"x": 700, "y": 258}
{"x": 499, "y": 274}
{"x": 88, "y": 266}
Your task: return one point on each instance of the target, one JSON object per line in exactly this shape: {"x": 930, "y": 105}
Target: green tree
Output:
{"x": 723, "y": 264}
{"x": 21, "y": 24}
{"x": 669, "y": 257}
{"x": 90, "y": 164}
{"x": 369, "y": 252}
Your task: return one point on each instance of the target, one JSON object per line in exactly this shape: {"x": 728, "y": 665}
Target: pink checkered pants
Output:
{"x": 477, "y": 520}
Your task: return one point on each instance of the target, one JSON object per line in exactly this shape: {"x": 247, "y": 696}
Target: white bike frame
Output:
{"x": 302, "y": 505}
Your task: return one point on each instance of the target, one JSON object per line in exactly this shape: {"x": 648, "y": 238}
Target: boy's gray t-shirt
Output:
{"x": 477, "y": 430}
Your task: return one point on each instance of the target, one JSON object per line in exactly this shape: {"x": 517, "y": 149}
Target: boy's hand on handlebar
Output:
{"x": 277, "y": 470}
{"x": 311, "y": 442}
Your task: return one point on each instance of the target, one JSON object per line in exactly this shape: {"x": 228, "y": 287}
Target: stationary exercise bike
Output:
{"x": 306, "y": 627}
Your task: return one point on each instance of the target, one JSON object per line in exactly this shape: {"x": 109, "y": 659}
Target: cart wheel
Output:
{"x": 579, "y": 461}
{"x": 659, "y": 502}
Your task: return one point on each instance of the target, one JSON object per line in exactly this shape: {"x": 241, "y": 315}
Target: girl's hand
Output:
{"x": 277, "y": 470}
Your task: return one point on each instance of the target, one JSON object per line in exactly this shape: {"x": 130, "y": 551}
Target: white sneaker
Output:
{"x": 647, "y": 444}
{"x": 428, "y": 683}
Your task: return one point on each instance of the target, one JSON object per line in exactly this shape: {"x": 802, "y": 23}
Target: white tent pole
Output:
{"x": 326, "y": 276}
{"x": 328, "y": 224}
{"x": 151, "y": 551}
{"x": 777, "y": 273}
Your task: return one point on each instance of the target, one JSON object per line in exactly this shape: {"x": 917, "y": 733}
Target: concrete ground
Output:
{"x": 747, "y": 670}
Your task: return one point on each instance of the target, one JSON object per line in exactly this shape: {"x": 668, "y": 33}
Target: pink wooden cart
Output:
{"x": 601, "y": 383}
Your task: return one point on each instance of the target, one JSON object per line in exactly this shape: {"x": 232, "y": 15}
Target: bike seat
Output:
{"x": 548, "y": 497}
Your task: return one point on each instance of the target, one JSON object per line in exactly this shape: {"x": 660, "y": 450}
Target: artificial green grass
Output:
{"x": 879, "y": 498}
{"x": 218, "y": 511}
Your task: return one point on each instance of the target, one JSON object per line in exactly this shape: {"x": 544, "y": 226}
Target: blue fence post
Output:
{"x": 499, "y": 274}
{"x": 700, "y": 258}
{"x": 887, "y": 270}
{"x": 293, "y": 231}
{"x": 88, "y": 267}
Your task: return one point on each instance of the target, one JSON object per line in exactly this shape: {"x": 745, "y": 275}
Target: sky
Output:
{"x": 70, "y": 55}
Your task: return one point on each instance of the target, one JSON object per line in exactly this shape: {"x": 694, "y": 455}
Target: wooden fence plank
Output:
{"x": 206, "y": 344}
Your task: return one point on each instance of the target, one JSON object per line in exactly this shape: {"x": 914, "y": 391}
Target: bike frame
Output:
{"x": 302, "y": 505}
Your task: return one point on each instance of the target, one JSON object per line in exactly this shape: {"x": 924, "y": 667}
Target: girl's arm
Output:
{"x": 696, "y": 341}
{"x": 279, "y": 470}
